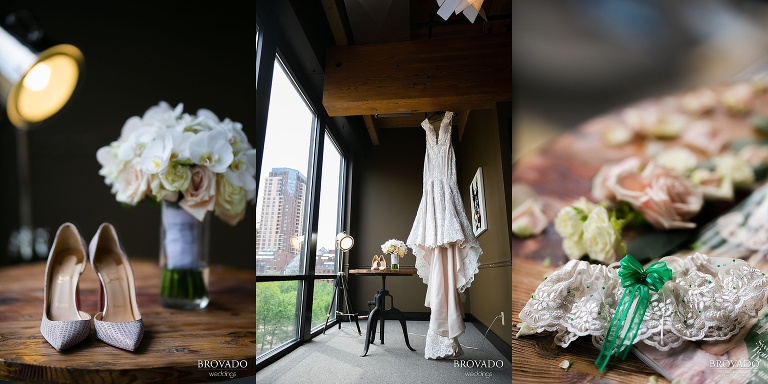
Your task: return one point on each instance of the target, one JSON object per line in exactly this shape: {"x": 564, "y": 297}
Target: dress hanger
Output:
{"x": 433, "y": 115}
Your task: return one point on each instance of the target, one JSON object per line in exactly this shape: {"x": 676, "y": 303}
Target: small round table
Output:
{"x": 380, "y": 311}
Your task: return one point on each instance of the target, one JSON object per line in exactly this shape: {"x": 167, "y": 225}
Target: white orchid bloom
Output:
{"x": 133, "y": 146}
{"x": 155, "y": 158}
{"x": 162, "y": 115}
{"x": 188, "y": 123}
{"x": 181, "y": 140}
{"x": 242, "y": 170}
{"x": 130, "y": 126}
{"x": 110, "y": 163}
{"x": 211, "y": 149}
{"x": 208, "y": 118}
{"x": 235, "y": 135}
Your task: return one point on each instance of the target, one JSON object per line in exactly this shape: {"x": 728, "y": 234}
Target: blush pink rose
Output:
{"x": 200, "y": 196}
{"x": 528, "y": 219}
{"x": 665, "y": 199}
{"x": 132, "y": 184}
{"x": 606, "y": 177}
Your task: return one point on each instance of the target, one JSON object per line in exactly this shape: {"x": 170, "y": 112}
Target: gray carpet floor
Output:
{"x": 335, "y": 358}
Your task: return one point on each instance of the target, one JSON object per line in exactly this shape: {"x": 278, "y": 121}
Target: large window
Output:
{"x": 298, "y": 215}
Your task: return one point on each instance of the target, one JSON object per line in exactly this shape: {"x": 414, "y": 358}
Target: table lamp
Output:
{"x": 37, "y": 79}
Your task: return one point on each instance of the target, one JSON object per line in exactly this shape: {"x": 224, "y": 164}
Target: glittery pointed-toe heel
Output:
{"x": 119, "y": 324}
{"x": 63, "y": 324}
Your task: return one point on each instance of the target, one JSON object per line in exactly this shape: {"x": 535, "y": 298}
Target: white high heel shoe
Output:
{"x": 64, "y": 324}
{"x": 119, "y": 323}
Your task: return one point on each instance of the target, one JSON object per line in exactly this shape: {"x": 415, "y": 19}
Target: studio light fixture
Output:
{"x": 470, "y": 8}
{"x": 344, "y": 242}
{"x": 37, "y": 79}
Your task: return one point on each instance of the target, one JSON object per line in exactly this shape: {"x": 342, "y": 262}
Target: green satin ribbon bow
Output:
{"x": 631, "y": 309}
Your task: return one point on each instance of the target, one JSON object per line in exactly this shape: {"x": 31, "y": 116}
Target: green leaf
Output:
{"x": 760, "y": 123}
{"x": 655, "y": 244}
{"x": 582, "y": 213}
{"x": 737, "y": 145}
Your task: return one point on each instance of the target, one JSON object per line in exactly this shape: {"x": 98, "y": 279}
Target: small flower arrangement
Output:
{"x": 203, "y": 163}
{"x": 394, "y": 246}
{"x": 589, "y": 229}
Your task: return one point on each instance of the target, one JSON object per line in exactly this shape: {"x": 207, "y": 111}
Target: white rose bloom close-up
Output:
{"x": 679, "y": 159}
{"x": 600, "y": 238}
{"x": 736, "y": 169}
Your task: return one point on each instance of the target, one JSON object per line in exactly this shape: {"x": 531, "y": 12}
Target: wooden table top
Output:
{"x": 383, "y": 272}
{"x": 174, "y": 339}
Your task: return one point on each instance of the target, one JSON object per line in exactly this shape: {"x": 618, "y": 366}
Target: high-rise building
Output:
{"x": 283, "y": 198}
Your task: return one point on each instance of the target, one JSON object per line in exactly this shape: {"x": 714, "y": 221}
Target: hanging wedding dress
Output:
{"x": 446, "y": 249}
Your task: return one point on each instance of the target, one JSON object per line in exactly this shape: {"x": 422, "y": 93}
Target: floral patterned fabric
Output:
{"x": 708, "y": 299}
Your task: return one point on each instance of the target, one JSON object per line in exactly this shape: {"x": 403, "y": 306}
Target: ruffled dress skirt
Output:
{"x": 447, "y": 255}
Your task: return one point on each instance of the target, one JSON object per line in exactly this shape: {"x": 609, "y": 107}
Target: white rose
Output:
{"x": 601, "y": 240}
{"x": 736, "y": 169}
{"x": 616, "y": 133}
{"x": 713, "y": 185}
{"x": 177, "y": 177}
{"x": 230, "y": 201}
{"x": 699, "y": 101}
{"x": 738, "y": 98}
{"x": 679, "y": 159}
{"x": 132, "y": 185}
{"x": 568, "y": 222}
{"x": 573, "y": 249}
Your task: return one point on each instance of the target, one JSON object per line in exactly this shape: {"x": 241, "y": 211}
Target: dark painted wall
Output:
{"x": 484, "y": 144}
{"x": 385, "y": 197}
{"x": 137, "y": 54}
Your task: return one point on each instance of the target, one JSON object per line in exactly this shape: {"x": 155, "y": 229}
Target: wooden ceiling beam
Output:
{"x": 373, "y": 132}
{"x": 334, "y": 20}
{"x": 457, "y": 73}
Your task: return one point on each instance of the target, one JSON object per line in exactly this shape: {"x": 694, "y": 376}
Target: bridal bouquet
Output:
{"x": 202, "y": 163}
{"x": 394, "y": 246}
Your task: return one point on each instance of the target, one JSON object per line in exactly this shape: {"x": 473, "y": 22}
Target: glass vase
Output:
{"x": 394, "y": 261}
{"x": 183, "y": 258}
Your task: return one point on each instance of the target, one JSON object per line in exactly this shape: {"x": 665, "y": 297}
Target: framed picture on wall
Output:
{"x": 477, "y": 203}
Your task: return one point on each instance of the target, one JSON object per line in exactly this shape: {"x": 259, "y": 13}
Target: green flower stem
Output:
{"x": 187, "y": 284}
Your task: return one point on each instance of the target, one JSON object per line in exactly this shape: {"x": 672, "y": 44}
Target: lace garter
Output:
{"x": 708, "y": 298}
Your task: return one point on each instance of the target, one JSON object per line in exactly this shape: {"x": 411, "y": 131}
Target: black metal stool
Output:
{"x": 380, "y": 312}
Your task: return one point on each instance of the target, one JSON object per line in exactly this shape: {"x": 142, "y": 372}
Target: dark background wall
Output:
{"x": 386, "y": 196}
{"x": 137, "y": 54}
{"x": 486, "y": 144}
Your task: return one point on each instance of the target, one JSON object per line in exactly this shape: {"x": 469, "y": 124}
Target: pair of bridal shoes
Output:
{"x": 64, "y": 324}
{"x": 378, "y": 262}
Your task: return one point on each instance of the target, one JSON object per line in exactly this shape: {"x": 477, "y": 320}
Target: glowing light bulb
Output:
{"x": 38, "y": 77}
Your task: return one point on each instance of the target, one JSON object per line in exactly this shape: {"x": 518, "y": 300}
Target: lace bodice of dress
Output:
{"x": 439, "y": 160}
{"x": 440, "y": 219}
{"x": 708, "y": 299}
